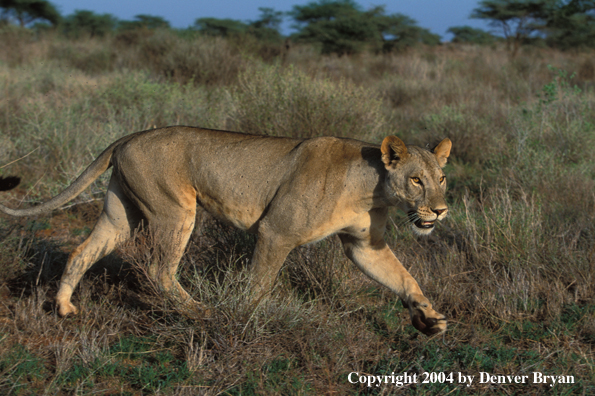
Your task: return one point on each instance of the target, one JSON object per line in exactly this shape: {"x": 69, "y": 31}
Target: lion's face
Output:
{"x": 415, "y": 181}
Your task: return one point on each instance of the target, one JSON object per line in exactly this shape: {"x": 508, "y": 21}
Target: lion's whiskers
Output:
{"x": 411, "y": 218}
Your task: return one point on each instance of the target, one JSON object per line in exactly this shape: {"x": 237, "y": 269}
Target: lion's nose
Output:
{"x": 439, "y": 211}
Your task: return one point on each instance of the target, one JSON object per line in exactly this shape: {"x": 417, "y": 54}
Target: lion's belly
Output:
{"x": 243, "y": 215}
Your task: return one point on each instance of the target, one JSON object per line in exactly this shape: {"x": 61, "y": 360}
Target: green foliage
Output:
{"x": 346, "y": 32}
{"x": 266, "y": 27}
{"x": 279, "y": 377}
{"x": 340, "y": 26}
{"x": 28, "y": 11}
{"x": 399, "y": 32}
{"x": 518, "y": 19}
{"x": 560, "y": 85}
{"x": 132, "y": 361}
{"x": 88, "y": 23}
{"x": 143, "y": 21}
{"x": 467, "y": 34}
{"x": 571, "y": 25}
{"x": 18, "y": 368}
{"x": 269, "y": 18}
{"x": 324, "y": 10}
{"x": 220, "y": 27}
{"x": 565, "y": 24}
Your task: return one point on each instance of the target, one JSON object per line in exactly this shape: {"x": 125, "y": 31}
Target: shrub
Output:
{"x": 280, "y": 101}
{"x": 203, "y": 60}
{"x": 89, "y": 56}
{"x": 15, "y": 44}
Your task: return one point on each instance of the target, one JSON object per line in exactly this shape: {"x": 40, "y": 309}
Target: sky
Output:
{"x": 435, "y": 15}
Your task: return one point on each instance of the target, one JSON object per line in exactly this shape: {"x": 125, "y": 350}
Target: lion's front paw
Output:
{"x": 423, "y": 316}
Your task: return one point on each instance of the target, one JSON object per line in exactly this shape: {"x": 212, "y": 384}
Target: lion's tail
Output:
{"x": 97, "y": 167}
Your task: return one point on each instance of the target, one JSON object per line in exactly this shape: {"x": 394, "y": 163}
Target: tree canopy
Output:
{"x": 468, "y": 34}
{"x": 220, "y": 27}
{"x": 571, "y": 25}
{"x": 564, "y": 23}
{"x": 145, "y": 21}
{"x": 265, "y": 28}
{"x": 341, "y": 26}
{"x": 28, "y": 11}
{"x": 84, "y": 22}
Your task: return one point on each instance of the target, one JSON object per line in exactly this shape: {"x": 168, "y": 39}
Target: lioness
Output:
{"x": 287, "y": 191}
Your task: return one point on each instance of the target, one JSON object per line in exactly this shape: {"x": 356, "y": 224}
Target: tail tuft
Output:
{"x": 8, "y": 183}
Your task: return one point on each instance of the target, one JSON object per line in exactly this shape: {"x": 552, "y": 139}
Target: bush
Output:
{"x": 90, "y": 56}
{"x": 15, "y": 44}
{"x": 280, "y": 101}
{"x": 203, "y": 60}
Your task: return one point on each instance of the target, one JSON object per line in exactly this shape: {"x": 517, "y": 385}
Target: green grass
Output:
{"x": 19, "y": 368}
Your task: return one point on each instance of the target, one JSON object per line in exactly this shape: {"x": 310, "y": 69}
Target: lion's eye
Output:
{"x": 416, "y": 180}
{"x": 442, "y": 179}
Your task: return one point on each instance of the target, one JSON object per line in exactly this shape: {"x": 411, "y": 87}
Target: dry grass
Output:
{"x": 512, "y": 266}
{"x": 279, "y": 101}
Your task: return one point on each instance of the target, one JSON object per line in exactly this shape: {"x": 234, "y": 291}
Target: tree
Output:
{"x": 83, "y": 22}
{"x": 266, "y": 28}
{"x": 399, "y": 31}
{"x": 571, "y": 24}
{"x": 144, "y": 21}
{"x": 28, "y": 11}
{"x": 338, "y": 26}
{"x": 269, "y": 18}
{"x": 220, "y": 27}
{"x": 518, "y": 19}
{"x": 563, "y": 23}
{"x": 467, "y": 34}
{"x": 342, "y": 27}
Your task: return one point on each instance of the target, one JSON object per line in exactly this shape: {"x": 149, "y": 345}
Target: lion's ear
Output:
{"x": 393, "y": 150}
{"x": 442, "y": 151}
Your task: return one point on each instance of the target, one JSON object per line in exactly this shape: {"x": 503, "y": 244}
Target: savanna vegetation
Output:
{"x": 512, "y": 266}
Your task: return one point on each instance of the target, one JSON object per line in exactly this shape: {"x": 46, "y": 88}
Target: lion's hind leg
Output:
{"x": 116, "y": 223}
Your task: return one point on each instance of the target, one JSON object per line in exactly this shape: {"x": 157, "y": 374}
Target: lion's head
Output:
{"x": 415, "y": 181}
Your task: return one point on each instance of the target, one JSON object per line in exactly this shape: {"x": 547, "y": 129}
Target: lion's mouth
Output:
{"x": 419, "y": 223}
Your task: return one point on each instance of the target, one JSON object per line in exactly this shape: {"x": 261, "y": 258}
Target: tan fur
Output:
{"x": 287, "y": 191}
